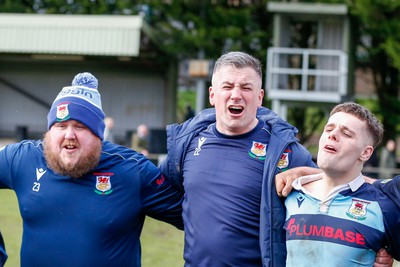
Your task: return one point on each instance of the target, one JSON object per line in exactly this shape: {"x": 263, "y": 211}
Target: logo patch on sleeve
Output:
{"x": 284, "y": 161}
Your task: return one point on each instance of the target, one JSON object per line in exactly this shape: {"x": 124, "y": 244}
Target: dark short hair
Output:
{"x": 238, "y": 60}
{"x": 374, "y": 126}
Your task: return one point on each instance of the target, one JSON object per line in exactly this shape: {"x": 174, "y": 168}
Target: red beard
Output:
{"x": 77, "y": 170}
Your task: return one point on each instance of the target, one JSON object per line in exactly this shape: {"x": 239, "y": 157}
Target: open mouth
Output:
{"x": 330, "y": 148}
{"x": 236, "y": 110}
{"x": 70, "y": 146}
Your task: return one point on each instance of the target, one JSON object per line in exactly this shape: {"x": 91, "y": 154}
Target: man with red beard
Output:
{"x": 83, "y": 201}
{"x": 335, "y": 218}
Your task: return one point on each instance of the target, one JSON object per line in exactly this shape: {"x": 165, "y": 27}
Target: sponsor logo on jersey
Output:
{"x": 103, "y": 183}
{"x": 62, "y": 112}
{"x": 198, "y": 148}
{"x": 358, "y": 210}
{"x": 39, "y": 173}
{"x": 258, "y": 150}
{"x": 75, "y": 91}
{"x": 297, "y": 229}
{"x": 300, "y": 198}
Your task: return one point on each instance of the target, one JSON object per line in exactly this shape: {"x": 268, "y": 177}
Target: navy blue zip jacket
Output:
{"x": 272, "y": 234}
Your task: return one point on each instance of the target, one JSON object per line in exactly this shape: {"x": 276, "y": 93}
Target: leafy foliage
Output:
{"x": 187, "y": 27}
{"x": 379, "y": 35}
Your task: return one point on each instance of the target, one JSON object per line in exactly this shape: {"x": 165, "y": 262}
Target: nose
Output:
{"x": 69, "y": 133}
{"x": 333, "y": 134}
{"x": 236, "y": 94}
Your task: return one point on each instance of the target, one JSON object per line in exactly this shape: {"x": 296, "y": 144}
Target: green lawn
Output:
{"x": 162, "y": 244}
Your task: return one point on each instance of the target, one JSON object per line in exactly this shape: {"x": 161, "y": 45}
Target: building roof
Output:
{"x": 101, "y": 35}
{"x": 307, "y": 8}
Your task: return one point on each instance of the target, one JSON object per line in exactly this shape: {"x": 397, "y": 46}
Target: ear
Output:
{"x": 260, "y": 97}
{"x": 211, "y": 95}
{"x": 367, "y": 153}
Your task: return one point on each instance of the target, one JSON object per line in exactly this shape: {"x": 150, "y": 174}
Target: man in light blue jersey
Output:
{"x": 335, "y": 218}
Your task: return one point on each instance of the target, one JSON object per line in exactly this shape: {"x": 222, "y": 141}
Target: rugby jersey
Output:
{"x": 346, "y": 229}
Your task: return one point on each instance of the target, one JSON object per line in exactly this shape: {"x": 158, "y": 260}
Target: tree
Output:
{"x": 187, "y": 27}
{"x": 379, "y": 36}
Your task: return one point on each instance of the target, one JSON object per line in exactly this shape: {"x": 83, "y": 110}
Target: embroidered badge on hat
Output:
{"x": 62, "y": 112}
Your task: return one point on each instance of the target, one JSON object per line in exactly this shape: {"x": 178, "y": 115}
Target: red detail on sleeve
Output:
{"x": 160, "y": 180}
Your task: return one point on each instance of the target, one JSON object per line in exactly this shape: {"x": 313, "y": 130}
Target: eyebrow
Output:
{"x": 241, "y": 84}
{"x": 342, "y": 127}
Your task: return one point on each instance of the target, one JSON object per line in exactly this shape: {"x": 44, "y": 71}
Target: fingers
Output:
{"x": 280, "y": 183}
{"x": 383, "y": 259}
{"x": 279, "y": 188}
{"x": 283, "y": 183}
{"x": 382, "y": 265}
{"x": 287, "y": 189}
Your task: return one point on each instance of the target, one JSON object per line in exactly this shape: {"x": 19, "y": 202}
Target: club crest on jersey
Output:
{"x": 283, "y": 161}
{"x": 62, "y": 112}
{"x": 258, "y": 150}
{"x": 358, "y": 210}
{"x": 103, "y": 183}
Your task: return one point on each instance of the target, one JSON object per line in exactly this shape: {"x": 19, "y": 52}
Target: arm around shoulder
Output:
{"x": 390, "y": 187}
{"x": 284, "y": 180}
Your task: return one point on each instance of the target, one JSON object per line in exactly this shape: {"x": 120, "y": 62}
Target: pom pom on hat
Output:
{"x": 80, "y": 102}
{"x": 85, "y": 79}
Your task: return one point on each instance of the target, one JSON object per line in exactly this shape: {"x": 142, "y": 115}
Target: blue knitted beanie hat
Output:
{"x": 81, "y": 102}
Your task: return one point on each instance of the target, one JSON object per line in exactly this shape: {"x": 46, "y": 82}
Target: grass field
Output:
{"x": 162, "y": 244}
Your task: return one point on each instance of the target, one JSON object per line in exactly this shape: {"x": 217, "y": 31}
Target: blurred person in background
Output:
{"x": 108, "y": 131}
{"x": 140, "y": 139}
{"x": 387, "y": 160}
{"x": 189, "y": 112}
